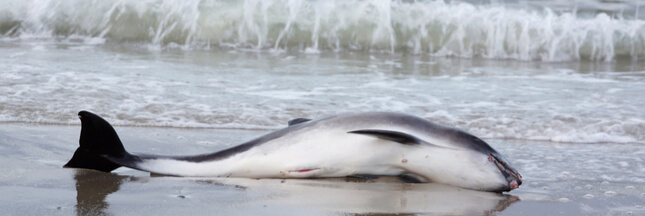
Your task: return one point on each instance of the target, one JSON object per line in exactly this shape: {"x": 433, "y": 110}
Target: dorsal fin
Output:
{"x": 298, "y": 121}
{"x": 394, "y": 136}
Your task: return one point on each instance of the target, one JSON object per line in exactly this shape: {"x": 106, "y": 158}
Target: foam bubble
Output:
{"x": 564, "y": 200}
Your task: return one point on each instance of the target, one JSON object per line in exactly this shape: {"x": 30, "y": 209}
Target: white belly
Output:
{"x": 328, "y": 153}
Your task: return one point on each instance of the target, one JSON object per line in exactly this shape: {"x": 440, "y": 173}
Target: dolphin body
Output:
{"x": 364, "y": 145}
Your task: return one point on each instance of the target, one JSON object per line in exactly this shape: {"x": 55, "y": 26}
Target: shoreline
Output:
{"x": 561, "y": 179}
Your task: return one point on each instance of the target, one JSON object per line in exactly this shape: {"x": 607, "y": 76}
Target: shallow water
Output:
{"x": 564, "y": 102}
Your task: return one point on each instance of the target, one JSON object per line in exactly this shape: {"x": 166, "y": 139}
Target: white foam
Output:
{"x": 431, "y": 27}
{"x": 263, "y": 91}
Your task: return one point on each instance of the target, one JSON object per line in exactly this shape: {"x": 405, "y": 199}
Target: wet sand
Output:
{"x": 560, "y": 179}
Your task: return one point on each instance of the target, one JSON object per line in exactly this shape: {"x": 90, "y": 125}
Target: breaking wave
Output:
{"x": 434, "y": 28}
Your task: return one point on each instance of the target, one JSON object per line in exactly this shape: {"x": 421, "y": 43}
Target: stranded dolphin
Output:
{"x": 365, "y": 144}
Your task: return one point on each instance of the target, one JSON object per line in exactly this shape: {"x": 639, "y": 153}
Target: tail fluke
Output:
{"x": 98, "y": 141}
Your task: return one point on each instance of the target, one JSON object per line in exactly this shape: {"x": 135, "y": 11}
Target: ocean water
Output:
{"x": 559, "y": 71}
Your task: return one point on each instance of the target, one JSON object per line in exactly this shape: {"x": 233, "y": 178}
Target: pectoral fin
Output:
{"x": 411, "y": 178}
{"x": 393, "y": 136}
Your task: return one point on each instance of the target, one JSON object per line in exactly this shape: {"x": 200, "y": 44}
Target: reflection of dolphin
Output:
{"x": 92, "y": 187}
{"x": 366, "y": 144}
{"x": 379, "y": 196}
{"x": 383, "y": 195}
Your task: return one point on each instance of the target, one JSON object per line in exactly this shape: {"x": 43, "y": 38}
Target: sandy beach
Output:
{"x": 556, "y": 183}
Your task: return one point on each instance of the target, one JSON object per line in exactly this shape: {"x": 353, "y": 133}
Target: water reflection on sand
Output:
{"x": 92, "y": 188}
{"x": 341, "y": 195}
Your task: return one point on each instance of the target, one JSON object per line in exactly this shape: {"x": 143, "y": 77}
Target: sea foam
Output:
{"x": 418, "y": 27}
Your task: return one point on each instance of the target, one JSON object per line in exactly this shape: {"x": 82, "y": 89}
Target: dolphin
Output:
{"x": 365, "y": 145}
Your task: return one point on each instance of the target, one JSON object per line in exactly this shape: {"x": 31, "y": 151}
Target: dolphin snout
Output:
{"x": 512, "y": 176}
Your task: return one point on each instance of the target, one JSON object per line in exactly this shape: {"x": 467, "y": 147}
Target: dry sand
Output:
{"x": 561, "y": 179}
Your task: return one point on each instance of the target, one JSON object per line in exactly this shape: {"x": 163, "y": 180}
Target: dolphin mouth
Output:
{"x": 512, "y": 176}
